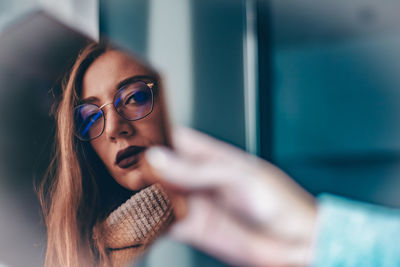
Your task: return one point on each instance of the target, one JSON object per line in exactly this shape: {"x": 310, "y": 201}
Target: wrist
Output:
{"x": 298, "y": 231}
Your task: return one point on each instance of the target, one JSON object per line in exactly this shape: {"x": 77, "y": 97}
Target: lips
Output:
{"x": 129, "y": 156}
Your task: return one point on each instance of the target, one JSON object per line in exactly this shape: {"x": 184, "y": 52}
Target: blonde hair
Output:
{"x": 77, "y": 192}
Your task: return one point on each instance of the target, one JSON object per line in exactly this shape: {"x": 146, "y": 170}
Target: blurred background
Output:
{"x": 310, "y": 85}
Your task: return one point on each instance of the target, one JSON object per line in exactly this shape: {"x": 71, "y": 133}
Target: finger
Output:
{"x": 184, "y": 173}
{"x": 214, "y": 231}
{"x": 210, "y": 229}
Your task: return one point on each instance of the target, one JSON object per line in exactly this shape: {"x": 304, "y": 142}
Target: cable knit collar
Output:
{"x": 134, "y": 225}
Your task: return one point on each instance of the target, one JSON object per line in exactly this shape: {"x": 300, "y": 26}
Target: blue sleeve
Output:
{"x": 355, "y": 234}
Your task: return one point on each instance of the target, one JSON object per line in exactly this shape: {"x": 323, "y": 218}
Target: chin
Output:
{"x": 135, "y": 177}
{"x": 133, "y": 181}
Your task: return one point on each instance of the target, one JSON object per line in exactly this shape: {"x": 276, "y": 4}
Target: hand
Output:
{"x": 240, "y": 209}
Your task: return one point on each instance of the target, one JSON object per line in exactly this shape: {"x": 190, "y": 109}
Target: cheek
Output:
{"x": 153, "y": 126}
{"x": 101, "y": 148}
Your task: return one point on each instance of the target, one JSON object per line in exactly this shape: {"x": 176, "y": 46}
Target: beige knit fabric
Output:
{"x": 132, "y": 227}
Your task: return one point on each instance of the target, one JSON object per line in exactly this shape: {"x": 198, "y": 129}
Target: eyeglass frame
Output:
{"x": 152, "y": 84}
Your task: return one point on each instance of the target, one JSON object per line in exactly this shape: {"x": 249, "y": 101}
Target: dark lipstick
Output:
{"x": 129, "y": 156}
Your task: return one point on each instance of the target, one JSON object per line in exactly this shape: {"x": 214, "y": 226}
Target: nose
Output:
{"x": 115, "y": 126}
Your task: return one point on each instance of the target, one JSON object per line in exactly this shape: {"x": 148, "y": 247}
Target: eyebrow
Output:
{"x": 90, "y": 99}
{"x": 93, "y": 99}
{"x": 134, "y": 78}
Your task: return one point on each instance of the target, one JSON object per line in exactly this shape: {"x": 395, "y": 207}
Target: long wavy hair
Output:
{"x": 77, "y": 192}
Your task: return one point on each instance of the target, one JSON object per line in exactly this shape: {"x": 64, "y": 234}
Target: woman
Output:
{"x": 111, "y": 111}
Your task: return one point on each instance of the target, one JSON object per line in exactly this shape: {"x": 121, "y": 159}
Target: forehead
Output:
{"x": 104, "y": 74}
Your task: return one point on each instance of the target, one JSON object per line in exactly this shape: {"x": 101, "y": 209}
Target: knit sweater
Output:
{"x": 133, "y": 226}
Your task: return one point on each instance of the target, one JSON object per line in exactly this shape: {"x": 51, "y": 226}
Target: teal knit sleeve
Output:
{"x": 354, "y": 234}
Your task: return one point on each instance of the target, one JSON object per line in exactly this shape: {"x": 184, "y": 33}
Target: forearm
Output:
{"x": 351, "y": 233}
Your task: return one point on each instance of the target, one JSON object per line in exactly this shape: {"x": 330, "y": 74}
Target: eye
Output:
{"x": 91, "y": 121}
{"x": 89, "y": 114}
{"x": 87, "y": 119}
{"x": 138, "y": 98}
{"x": 92, "y": 118}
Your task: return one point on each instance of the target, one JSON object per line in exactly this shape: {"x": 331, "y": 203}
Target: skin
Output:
{"x": 100, "y": 82}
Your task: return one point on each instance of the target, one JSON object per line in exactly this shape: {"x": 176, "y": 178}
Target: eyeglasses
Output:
{"x": 133, "y": 101}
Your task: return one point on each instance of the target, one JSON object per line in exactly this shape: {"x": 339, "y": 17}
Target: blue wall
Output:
{"x": 336, "y": 90}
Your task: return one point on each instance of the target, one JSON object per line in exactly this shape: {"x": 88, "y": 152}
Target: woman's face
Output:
{"x": 123, "y": 142}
